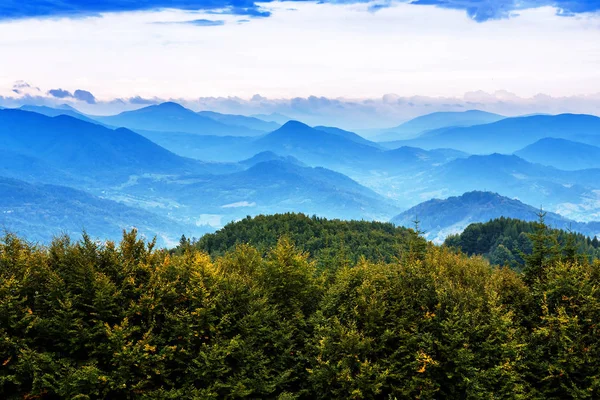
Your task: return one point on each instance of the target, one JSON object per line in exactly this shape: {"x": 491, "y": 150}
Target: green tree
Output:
{"x": 544, "y": 250}
{"x": 502, "y": 256}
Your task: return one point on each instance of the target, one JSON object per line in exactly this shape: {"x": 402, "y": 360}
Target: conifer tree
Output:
{"x": 544, "y": 249}
{"x": 570, "y": 253}
{"x": 416, "y": 245}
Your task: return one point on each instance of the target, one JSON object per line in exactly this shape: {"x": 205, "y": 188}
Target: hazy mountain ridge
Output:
{"x": 320, "y": 170}
{"x": 87, "y": 148}
{"x": 172, "y": 117}
{"x": 273, "y": 117}
{"x": 515, "y": 177}
{"x": 241, "y": 121}
{"x": 341, "y": 150}
{"x": 265, "y": 187}
{"x": 312, "y": 145}
{"x": 332, "y": 148}
{"x": 443, "y": 217}
{"x": 347, "y": 135}
{"x": 39, "y": 212}
{"x": 574, "y": 193}
{"x": 54, "y": 112}
{"x": 266, "y": 156}
{"x": 437, "y": 120}
{"x": 203, "y": 147}
{"x": 128, "y": 168}
{"x": 562, "y": 154}
{"x": 510, "y": 134}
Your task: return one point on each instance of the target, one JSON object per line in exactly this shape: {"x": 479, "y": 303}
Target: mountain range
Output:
{"x": 39, "y": 212}
{"x": 266, "y": 156}
{"x": 122, "y": 166}
{"x": 562, "y": 154}
{"x": 441, "y": 218}
{"x": 172, "y": 117}
{"x": 437, "y": 120}
{"x": 55, "y": 112}
{"x": 198, "y": 180}
{"x": 347, "y": 135}
{"x": 515, "y": 177}
{"x": 276, "y": 185}
{"x": 510, "y": 134}
{"x": 329, "y": 147}
{"x": 86, "y": 149}
{"x": 255, "y": 124}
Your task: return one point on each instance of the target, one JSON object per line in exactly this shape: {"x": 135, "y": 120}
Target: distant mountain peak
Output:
{"x": 442, "y": 217}
{"x": 509, "y": 135}
{"x": 438, "y": 120}
{"x": 476, "y": 111}
{"x": 173, "y": 117}
{"x": 481, "y": 195}
{"x": 69, "y": 143}
{"x": 568, "y": 155}
{"x": 295, "y": 129}
{"x": 171, "y": 105}
{"x": 294, "y": 125}
{"x": 470, "y": 198}
{"x": 266, "y": 156}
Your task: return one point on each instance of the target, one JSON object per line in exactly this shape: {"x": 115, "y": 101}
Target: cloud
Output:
{"x": 79, "y": 94}
{"x": 60, "y": 93}
{"x": 377, "y": 5}
{"x": 205, "y": 22}
{"x": 352, "y": 114}
{"x": 21, "y": 85}
{"x": 24, "y": 88}
{"x": 141, "y": 100}
{"x": 252, "y": 11}
{"x": 484, "y": 10}
{"x": 195, "y": 22}
{"x": 258, "y": 97}
{"x": 478, "y": 10}
{"x": 392, "y": 109}
{"x": 84, "y": 95}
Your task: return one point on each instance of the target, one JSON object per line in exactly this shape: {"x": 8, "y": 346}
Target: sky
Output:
{"x": 92, "y": 52}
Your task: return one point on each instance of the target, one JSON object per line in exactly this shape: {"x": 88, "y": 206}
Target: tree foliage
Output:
{"x": 330, "y": 242}
{"x": 516, "y": 243}
{"x": 87, "y": 320}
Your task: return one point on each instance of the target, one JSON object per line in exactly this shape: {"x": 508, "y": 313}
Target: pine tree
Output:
{"x": 544, "y": 249}
{"x": 417, "y": 245}
{"x": 570, "y": 253}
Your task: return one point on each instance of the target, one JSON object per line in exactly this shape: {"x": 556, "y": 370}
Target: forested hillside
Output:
{"x": 268, "y": 320}
{"x": 324, "y": 240}
{"x": 507, "y": 241}
{"x": 440, "y": 218}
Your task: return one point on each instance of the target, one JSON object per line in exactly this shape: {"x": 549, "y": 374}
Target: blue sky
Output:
{"x": 93, "y": 52}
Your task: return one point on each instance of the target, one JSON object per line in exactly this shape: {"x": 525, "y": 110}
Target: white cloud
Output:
{"x": 315, "y": 49}
{"x": 239, "y": 204}
{"x": 352, "y": 114}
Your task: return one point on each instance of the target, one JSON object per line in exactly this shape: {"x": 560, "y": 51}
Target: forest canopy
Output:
{"x": 507, "y": 241}
{"x": 322, "y": 238}
{"x": 268, "y": 319}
